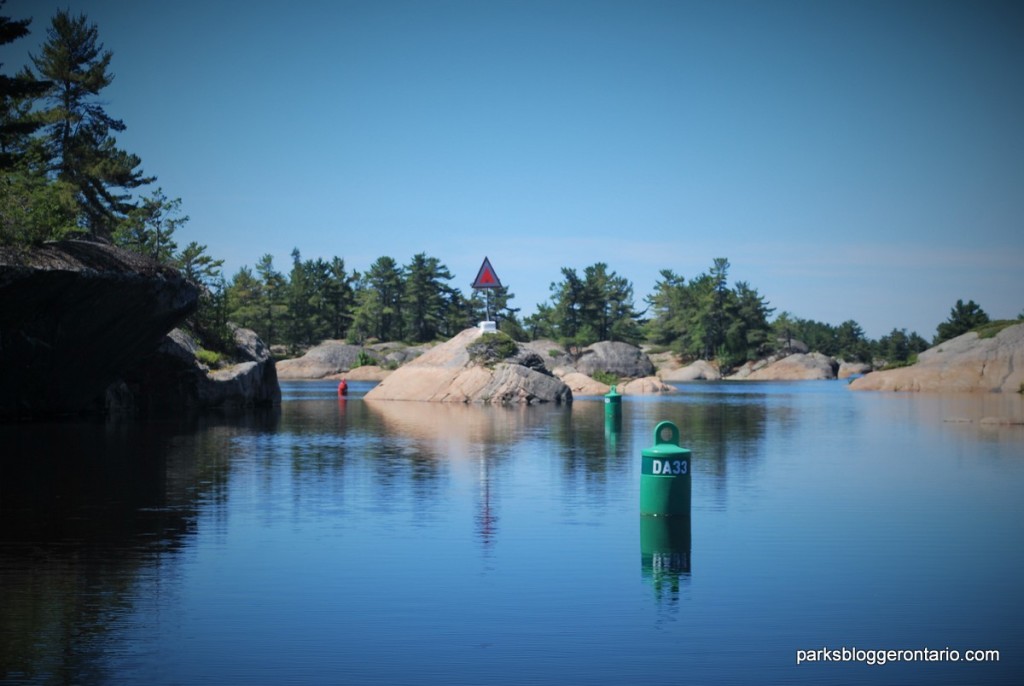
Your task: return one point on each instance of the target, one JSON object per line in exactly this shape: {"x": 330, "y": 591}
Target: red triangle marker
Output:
{"x": 486, "y": 278}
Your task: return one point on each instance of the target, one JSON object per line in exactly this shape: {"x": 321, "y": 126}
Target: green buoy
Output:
{"x": 665, "y": 474}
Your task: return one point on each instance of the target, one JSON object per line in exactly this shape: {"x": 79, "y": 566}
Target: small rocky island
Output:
{"x": 475, "y": 367}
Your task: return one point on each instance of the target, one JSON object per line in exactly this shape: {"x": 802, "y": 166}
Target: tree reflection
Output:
{"x": 85, "y": 509}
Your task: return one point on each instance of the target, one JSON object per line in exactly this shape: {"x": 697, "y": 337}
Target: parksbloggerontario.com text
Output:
{"x": 882, "y": 657}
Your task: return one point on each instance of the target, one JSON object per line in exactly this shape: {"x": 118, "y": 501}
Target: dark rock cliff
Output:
{"x": 171, "y": 379}
{"x": 74, "y": 315}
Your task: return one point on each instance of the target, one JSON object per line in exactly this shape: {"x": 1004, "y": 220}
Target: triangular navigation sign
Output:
{"x": 486, "y": 278}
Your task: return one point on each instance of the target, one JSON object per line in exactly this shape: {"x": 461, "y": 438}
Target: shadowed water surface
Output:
{"x": 347, "y": 541}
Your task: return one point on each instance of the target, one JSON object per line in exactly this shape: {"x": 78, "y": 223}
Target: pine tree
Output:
{"x": 81, "y": 147}
{"x": 272, "y": 300}
{"x": 197, "y": 266}
{"x": 210, "y": 319}
{"x": 378, "y": 310}
{"x": 149, "y": 227}
{"x": 244, "y": 301}
{"x": 598, "y": 306}
{"x": 962, "y": 318}
{"x": 32, "y": 208}
{"x": 426, "y": 297}
{"x": 17, "y": 122}
{"x": 668, "y": 305}
{"x": 339, "y": 298}
{"x": 747, "y": 334}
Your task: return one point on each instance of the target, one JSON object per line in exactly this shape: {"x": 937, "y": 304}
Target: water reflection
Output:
{"x": 665, "y": 554}
{"x": 486, "y": 513}
{"x": 336, "y": 533}
{"x": 86, "y": 509}
{"x": 594, "y": 464}
{"x": 451, "y": 431}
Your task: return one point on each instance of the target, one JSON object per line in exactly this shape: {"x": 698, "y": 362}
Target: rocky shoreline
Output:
{"x": 967, "y": 363}
{"x": 964, "y": 364}
{"x": 88, "y": 328}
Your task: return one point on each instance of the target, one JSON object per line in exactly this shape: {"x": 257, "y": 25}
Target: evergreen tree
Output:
{"x": 210, "y": 319}
{"x": 272, "y": 306}
{"x": 149, "y": 227}
{"x": 608, "y": 306}
{"x": 669, "y": 306}
{"x": 784, "y": 328}
{"x": 426, "y": 298}
{"x": 378, "y": 311}
{"x": 818, "y": 336}
{"x": 566, "y": 315}
{"x": 747, "y": 334}
{"x": 462, "y": 312}
{"x": 899, "y": 347}
{"x": 700, "y": 324}
{"x": 82, "y": 147}
{"x": 300, "y": 297}
{"x": 339, "y": 299}
{"x": 32, "y": 208}
{"x": 962, "y": 318}
{"x": 17, "y": 122}
{"x": 719, "y": 306}
{"x": 197, "y": 266}
{"x": 540, "y": 324}
{"x": 851, "y": 342}
{"x": 598, "y": 306}
{"x": 704, "y": 318}
{"x": 244, "y": 302}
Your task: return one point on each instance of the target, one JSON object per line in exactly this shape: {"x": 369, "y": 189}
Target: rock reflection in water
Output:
{"x": 86, "y": 510}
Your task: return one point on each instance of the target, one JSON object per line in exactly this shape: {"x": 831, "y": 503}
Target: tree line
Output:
{"x": 65, "y": 175}
{"x": 320, "y": 299}
{"x": 703, "y": 317}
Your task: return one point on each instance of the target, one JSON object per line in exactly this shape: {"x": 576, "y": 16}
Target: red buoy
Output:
{"x": 342, "y": 388}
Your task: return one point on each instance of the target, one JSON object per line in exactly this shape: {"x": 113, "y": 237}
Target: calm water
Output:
{"x": 402, "y": 543}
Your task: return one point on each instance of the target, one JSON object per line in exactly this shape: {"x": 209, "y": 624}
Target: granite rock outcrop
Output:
{"x": 172, "y": 380}
{"x": 451, "y": 373}
{"x": 965, "y": 363}
{"x": 614, "y": 357}
{"x": 795, "y": 367}
{"x": 701, "y": 370}
{"x": 74, "y": 316}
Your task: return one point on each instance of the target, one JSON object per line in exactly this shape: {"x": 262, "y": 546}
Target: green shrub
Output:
{"x": 209, "y": 357}
{"x": 491, "y": 348}
{"x": 607, "y": 378}
{"x": 364, "y": 359}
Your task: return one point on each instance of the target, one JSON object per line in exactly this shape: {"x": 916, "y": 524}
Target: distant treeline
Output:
{"x": 319, "y": 299}
{"x": 699, "y": 318}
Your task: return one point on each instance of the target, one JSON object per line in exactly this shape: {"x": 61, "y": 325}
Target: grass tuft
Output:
{"x": 992, "y": 328}
{"x": 209, "y": 357}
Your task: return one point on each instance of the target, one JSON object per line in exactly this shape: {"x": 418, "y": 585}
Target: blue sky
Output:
{"x": 853, "y": 160}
